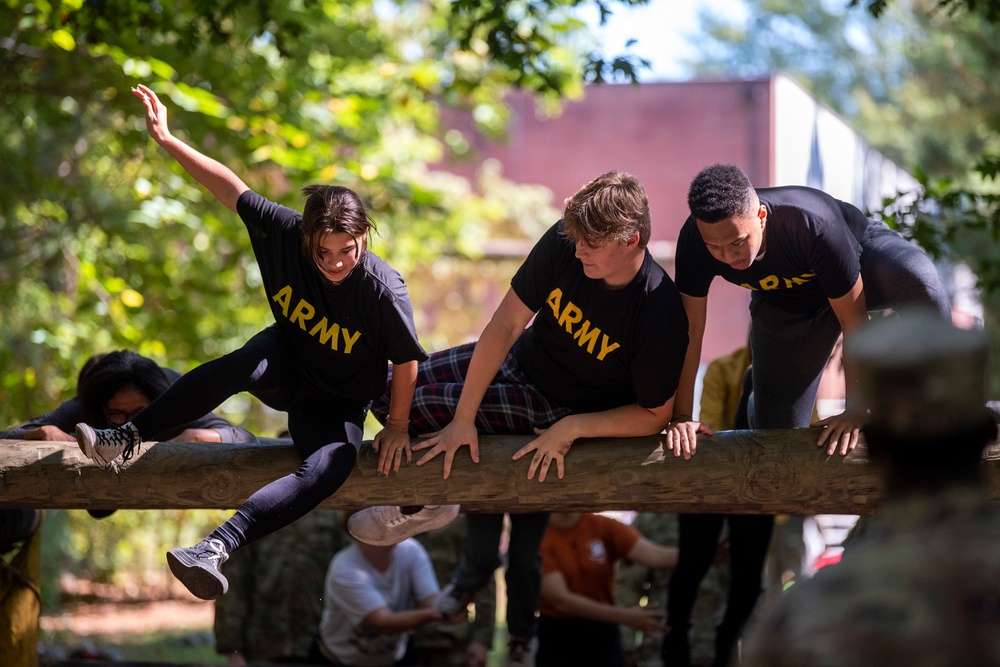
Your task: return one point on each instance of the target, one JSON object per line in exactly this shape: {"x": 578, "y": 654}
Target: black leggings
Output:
{"x": 578, "y": 641}
{"x": 698, "y": 540}
{"x": 326, "y": 431}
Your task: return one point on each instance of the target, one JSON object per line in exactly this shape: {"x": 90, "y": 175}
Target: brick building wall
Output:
{"x": 663, "y": 133}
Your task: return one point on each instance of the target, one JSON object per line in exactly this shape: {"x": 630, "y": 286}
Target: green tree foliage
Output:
{"x": 959, "y": 219}
{"x": 917, "y": 81}
{"x": 988, "y": 9}
{"x": 917, "y": 78}
{"x": 105, "y": 243}
{"x": 960, "y": 225}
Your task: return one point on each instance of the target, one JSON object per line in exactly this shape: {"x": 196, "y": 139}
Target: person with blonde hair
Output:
{"x": 601, "y": 358}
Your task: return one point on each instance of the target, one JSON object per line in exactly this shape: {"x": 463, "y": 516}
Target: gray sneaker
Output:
{"x": 197, "y": 568}
{"x": 385, "y": 525}
{"x": 105, "y": 445}
{"x": 452, "y": 600}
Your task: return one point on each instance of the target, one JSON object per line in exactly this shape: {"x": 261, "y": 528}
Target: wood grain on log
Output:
{"x": 750, "y": 472}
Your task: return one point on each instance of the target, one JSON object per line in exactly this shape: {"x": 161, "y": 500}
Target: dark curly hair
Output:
{"x": 719, "y": 192}
{"x": 103, "y": 376}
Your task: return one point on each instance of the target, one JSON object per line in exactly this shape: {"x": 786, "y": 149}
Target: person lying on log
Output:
{"x": 601, "y": 358}
{"x": 113, "y": 387}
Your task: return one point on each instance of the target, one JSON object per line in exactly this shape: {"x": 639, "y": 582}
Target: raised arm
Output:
{"x": 218, "y": 178}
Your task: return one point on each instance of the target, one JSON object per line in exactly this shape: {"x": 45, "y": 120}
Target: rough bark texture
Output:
{"x": 765, "y": 472}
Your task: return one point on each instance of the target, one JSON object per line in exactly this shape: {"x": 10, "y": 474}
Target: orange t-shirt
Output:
{"x": 585, "y": 555}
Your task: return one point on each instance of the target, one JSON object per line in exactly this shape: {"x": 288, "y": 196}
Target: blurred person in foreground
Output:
{"x": 921, "y": 584}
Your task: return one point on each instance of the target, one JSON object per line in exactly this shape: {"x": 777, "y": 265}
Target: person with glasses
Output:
{"x": 111, "y": 388}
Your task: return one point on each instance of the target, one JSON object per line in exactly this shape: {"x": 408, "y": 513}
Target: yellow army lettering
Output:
{"x": 585, "y": 335}
{"x": 322, "y": 330}
{"x": 774, "y": 282}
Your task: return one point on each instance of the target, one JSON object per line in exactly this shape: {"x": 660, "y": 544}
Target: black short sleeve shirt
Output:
{"x": 342, "y": 336}
{"x": 812, "y": 254}
{"x": 591, "y": 348}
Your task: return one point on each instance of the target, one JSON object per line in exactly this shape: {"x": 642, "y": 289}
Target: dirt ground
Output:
{"x": 87, "y": 619}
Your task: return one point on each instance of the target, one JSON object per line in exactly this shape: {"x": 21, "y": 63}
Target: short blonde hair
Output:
{"x": 612, "y": 207}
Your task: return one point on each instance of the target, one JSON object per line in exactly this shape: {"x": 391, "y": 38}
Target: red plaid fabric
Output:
{"x": 511, "y": 405}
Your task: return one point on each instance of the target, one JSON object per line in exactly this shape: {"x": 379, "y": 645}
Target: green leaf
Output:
{"x": 63, "y": 39}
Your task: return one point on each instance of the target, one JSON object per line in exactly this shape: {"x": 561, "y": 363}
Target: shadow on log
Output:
{"x": 747, "y": 472}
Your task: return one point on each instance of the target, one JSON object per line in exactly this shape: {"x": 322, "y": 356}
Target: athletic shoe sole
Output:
{"x": 365, "y": 529}
{"x": 441, "y": 518}
{"x": 86, "y": 438}
{"x": 203, "y": 582}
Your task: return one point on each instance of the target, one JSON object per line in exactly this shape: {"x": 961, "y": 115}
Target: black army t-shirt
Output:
{"x": 342, "y": 336}
{"x": 591, "y": 348}
{"x": 812, "y": 252}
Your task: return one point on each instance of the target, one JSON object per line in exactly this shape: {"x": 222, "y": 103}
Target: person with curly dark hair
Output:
{"x": 113, "y": 387}
{"x": 815, "y": 266}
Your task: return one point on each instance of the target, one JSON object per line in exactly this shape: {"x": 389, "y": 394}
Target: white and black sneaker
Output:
{"x": 105, "y": 445}
{"x": 198, "y": 568}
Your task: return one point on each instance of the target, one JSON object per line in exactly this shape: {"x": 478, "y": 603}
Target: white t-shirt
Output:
{"x": 355, "y": 589}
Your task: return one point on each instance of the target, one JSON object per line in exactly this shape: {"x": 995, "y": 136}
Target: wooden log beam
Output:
{"x": 752, "y": 472}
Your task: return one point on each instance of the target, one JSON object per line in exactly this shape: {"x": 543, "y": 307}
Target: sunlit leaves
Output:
{"x": 101, "y": 229}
